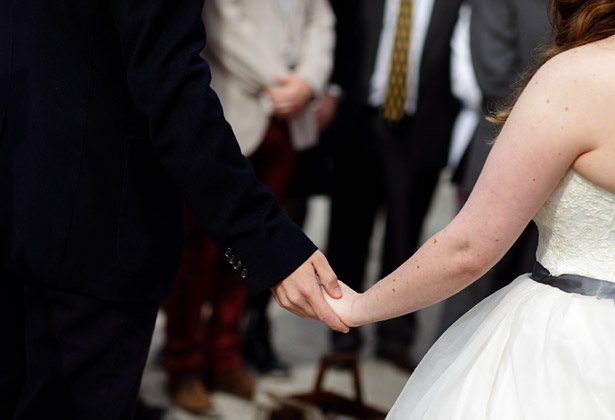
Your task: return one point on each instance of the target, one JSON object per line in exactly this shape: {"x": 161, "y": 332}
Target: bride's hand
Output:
{"x": 343, "y": 306}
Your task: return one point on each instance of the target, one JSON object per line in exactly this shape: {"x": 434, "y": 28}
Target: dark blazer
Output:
{"x": 504, "y": 39}
{"x": 437, "y": 108}
{"x": 107, "y": 122}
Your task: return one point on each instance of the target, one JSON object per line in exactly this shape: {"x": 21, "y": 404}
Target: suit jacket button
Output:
{"x": 243, "y": 273}
{"x": 228, "y": 253}
{"x": 232, "y": 260}
{"x": 237, "y": 266}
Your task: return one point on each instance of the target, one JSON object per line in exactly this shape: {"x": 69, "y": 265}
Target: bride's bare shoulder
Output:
{"x": 578, "y": 84}
{"x": 589, "y": 66}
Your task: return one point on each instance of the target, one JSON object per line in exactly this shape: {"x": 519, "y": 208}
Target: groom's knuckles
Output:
{"x": 295, "y": 297}
{"x": 328, "y": 279}
{"x": 298, "y": 303}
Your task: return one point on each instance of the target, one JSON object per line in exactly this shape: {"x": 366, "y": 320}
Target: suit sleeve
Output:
{"x": 493, "y": 37}
{"x": 169, "y": 83}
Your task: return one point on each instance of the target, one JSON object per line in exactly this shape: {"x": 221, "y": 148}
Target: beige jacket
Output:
{"x": 249, "y": 43}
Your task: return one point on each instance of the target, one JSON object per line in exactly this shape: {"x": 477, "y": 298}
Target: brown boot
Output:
{"x": 234, "y": 381}
{"x": 188, "y": 393}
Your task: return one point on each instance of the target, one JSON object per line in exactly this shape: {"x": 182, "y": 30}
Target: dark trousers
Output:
{"x": 377, "y": 164}
{"x": 69, "y": 356}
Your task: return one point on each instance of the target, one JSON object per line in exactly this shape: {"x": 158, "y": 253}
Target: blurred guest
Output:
{"x": 313, "y": 174}
{"x": 504, "y": 36}
{"x": 399, "y": 115}
{"x": 269, "y": 59}
{"x": 465, "y": 88}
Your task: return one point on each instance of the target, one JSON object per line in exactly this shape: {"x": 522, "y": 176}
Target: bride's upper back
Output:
{"x": 577, "y": 222}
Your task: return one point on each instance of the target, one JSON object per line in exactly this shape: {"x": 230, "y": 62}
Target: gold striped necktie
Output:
{"x": 393, "y": 107}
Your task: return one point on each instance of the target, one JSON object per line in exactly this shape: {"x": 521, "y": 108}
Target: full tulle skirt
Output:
{"x": 529, "y": 351}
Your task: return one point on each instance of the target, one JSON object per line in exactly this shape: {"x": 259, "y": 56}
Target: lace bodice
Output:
{"x": 577, "y": 229}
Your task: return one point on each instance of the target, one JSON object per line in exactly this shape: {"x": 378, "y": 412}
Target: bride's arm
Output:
{"x": 553, "y": 123}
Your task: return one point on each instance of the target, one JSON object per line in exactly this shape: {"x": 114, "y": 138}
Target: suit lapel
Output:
{"x": 441, "y": 25}
{"x": 372, "y": 16}
{"x": 373, "y": 12}
{"x": 439, "y": 7}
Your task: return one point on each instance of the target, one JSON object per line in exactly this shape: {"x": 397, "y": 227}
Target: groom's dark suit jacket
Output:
{"x": 107, "y": 122}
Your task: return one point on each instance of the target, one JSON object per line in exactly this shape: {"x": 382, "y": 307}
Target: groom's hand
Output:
{"x": 300, "y": 292}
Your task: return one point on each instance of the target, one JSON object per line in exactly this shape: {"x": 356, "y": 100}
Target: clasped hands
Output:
{"x": 289, "y": 95}
{"x": 301, "y": 294}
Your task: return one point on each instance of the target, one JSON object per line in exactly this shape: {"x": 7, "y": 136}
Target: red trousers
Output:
{"x": 205, "y": 308}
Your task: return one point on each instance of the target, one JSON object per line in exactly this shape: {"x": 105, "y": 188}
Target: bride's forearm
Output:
{"x": 443, "y": 266}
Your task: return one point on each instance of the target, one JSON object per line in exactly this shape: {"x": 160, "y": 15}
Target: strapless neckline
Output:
{"x": 574, "y": 173}
{"x": 577, "y": 229}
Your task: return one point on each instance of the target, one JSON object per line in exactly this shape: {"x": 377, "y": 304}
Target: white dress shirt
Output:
{"x": 421, "y": 16}
{"x": 464, "y": 87}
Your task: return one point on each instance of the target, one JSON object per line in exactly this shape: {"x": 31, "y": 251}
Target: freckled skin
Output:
{"x": 523, "y": 148}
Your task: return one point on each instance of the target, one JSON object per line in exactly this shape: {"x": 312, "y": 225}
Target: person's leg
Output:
{"x": 184, "y": 336}
{"x": 357, "y": 193}
{"x": 273, "y": 163}
{"x": 274, "y": 160}
{"x": 85, "y": 356}
{"x": 223, "y": 344}
{"x": 258, "y": 349}
{"x": 312, "y": 176}
{"x": 185, "y": 342}
{"x": 12, "y": 349}
{"x": 410, "y": 184}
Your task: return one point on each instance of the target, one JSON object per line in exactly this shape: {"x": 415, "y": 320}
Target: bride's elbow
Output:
{"x": 471, "y": 263}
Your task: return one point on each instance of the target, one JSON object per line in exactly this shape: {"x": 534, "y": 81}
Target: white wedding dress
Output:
{"x": 532, "y": 351}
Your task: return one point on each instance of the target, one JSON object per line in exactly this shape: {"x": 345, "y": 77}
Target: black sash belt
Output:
{"x": 573, "y": 283}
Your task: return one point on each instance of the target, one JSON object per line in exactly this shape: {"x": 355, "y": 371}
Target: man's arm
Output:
{"x": 169, "y": 84}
